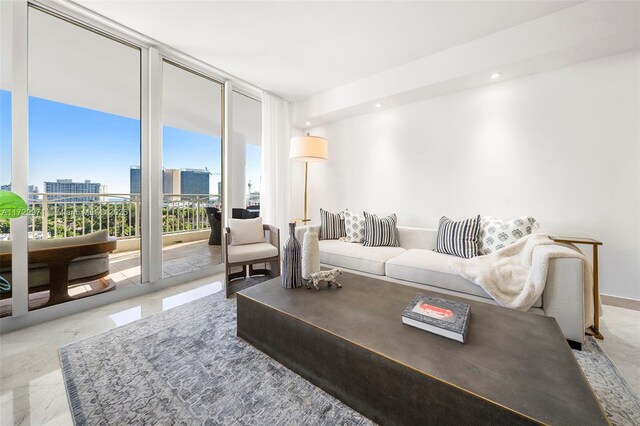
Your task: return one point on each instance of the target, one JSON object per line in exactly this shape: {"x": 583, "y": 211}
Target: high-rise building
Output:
{"x": 135, "y": 180}
{"x": 194, "y": 181}
{"x": 33, "y": 190}
{"x": 171, "y": 179}
{"x": 67, "y": 186}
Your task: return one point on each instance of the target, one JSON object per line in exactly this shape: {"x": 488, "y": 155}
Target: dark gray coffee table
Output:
{"x": 516, "y": 367}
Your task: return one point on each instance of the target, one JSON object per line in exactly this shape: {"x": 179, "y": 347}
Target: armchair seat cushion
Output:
{"x": 248, "y": 252}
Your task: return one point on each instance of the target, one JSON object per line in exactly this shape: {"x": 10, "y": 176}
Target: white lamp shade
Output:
{"x": 309, "y": 148}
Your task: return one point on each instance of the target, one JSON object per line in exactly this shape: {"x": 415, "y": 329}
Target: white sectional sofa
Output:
{"x": 416, "y": 264}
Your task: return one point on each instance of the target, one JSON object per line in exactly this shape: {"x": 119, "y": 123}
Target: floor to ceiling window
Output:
{"x": 191, "y": 176}
{"x": 246, "y": 155}
{"x": 84, "y": 145}
{"x": 86, "y": 182}
{"x": 5, "y": 158}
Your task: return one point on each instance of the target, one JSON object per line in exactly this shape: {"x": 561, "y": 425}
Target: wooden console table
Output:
{"x": 595, "y": 328}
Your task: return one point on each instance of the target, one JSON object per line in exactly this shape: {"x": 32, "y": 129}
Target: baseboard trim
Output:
{"x": 620, "y": 302}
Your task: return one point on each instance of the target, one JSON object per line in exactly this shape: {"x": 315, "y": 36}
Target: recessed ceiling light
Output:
{"x": 308, "y": 123}
{"x": 378, "y": 105}
{"x": 496, "y": 75}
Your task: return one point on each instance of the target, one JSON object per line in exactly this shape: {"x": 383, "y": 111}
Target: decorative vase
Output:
{"x": 291, "y": 260}
{"x": 310, "y": 254}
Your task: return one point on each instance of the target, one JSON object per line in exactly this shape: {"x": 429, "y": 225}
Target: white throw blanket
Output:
{"x": 515, "y": 276}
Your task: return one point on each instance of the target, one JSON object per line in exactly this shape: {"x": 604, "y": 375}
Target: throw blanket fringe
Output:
{"x": 515, "y": 276}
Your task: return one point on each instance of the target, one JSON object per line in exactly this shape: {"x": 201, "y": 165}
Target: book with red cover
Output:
{"x": 439, "y": 316}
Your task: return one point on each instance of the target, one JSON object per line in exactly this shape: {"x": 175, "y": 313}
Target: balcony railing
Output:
{"x": 186, "y": 212}
{"x": 59, "y": 215}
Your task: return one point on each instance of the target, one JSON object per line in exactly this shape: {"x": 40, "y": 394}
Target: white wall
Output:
{"x": 562, "y": 146}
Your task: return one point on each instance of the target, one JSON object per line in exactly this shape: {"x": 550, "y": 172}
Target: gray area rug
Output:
{"x": 187, "y": 367}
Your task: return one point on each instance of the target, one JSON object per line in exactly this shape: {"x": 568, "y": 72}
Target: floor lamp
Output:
{"x": 308, "y": 148}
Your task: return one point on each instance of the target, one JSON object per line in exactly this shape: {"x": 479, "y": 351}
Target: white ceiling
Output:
{"x": 297, "y": 49}
{"x": 74, "y": 66}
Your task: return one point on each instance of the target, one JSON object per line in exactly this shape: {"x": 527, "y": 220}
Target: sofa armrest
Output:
{"x": 566, "y": 297}
{"x": 300, "y": 230}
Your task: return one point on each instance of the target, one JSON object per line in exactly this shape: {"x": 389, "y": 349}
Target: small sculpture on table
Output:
{"x": 329, "y": 277}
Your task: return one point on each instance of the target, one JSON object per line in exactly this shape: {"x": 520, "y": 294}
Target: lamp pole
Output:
{"x": 306, "y": 175}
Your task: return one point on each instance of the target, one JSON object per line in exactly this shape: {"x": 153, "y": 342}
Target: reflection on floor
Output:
{"x": 124, "y": 268}
{"x": 177, "y": 259}
{"x": 32, "y": 391}
{"x": 31, "y": 388}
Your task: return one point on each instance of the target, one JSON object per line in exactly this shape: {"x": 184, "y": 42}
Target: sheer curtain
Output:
{"x": 275, "y": 190}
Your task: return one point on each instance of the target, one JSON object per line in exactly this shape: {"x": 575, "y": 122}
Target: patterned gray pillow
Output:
{"x": 496, "y": 234}
{"x": 354, "y": 227}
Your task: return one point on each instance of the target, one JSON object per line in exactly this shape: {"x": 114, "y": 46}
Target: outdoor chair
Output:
{"x": 215, "y": 220}
{"x": 55, "y": 264}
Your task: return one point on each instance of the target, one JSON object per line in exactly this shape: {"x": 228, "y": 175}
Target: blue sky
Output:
{"x": 69, "y": 142}
{"x": 5, "y": 137}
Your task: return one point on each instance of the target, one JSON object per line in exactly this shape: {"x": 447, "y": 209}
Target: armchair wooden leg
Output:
{"x": 260, "y": 271}
{"x": 236, "y": 275}
{"x": 275, "y": 269}
{"x": 230, "y": 276}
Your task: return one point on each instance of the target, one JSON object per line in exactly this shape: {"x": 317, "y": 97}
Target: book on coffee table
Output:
{"x": 439, "y": 316}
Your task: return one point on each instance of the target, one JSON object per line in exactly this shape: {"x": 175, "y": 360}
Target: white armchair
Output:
{"x": 244, "y": 255}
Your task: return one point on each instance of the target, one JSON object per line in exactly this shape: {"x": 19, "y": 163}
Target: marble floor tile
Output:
{"x": 32, "y": 390}
{"x": 621, "y": 330}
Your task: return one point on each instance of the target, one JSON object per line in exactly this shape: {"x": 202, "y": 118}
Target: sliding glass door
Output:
{"x": 84, "y": 161}
{"x": 192, "y": 118}
{"x": 246, "y": 156}
{"x": 5, "y": 157}
{"x": 88, "y": 191}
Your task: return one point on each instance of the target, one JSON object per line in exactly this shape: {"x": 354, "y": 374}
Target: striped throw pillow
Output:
{"x": 380, "y": 232}
{"x": 331, "y": 225}
{"x": 458, "y": 238}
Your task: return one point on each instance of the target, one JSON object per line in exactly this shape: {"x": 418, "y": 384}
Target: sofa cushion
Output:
{"x": 82, "y": 267}
{"x": 93, "y": 237}
{"x": 495, "y": 234}
{"x": 380, "y": 231}
{"x": 248, "y": 252}
{"x": 356, "y": 256}
{"x": 354, "y": 227}
{"x": 420, "y": 238}
{"x": 432, "y": 268}
{"x": 331, "y": 225}
{"x": 458, "y": 238}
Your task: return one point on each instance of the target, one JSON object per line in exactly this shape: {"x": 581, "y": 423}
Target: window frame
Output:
{"x": 153, "y": 53}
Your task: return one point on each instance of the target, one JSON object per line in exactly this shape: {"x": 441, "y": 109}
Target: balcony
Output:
{"x": 185, "y": 239}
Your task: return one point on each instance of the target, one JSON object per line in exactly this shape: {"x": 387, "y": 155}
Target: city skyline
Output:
{"x": 98, "y": 146}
